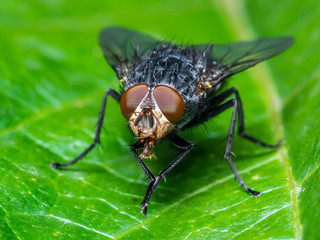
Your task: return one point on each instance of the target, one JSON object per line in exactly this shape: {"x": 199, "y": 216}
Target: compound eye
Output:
{"x": 131, "y": 99}
{"x": 170, "y": 102}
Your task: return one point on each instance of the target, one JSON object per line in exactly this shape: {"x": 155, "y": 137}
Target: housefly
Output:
{"x": 167, "y": 88}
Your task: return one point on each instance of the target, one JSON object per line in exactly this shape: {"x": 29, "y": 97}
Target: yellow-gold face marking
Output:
{"x": 152, "y": 113}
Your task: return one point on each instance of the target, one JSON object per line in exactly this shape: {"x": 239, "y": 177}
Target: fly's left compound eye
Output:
{"x": 131, "y": 99}
{"x": 170, "y": 102}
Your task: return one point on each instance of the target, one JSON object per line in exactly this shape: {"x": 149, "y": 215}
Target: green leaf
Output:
{"x": 52, "y": 80}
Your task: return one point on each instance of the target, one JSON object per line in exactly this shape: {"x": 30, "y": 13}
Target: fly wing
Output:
{"x": 121, "y": 47}
{"x": 236, "y": 57}
{"x": 230, "y": 59}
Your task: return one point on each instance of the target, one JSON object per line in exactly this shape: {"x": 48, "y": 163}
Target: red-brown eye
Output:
{"x": 170, "y": 102}
{"x": 131, "y": 99}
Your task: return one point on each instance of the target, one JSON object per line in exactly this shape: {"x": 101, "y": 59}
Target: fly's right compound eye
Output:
{"x": 131, "y": 99}
{"x": 170, "y": 102}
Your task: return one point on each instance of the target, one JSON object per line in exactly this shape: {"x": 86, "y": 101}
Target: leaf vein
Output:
{"x": 261, "y": 219}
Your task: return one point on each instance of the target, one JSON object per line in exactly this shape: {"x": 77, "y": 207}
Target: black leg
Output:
{"x": 241, "y": 131}
{"x": 237, "y": 110}
{"x": 134, "y": 148}
{"x": 96, "y": 140}
{"x": 233, "y": 103}
{"x": 178, "y": 141}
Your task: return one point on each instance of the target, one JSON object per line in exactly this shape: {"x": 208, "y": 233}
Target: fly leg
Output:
{"x": 233, "y": 103}
{"x": 212, "y": 109}
{"x": 239, "y": 107}
{"x": 178, "y": 141}
{"x": 134, "y": 148}
{"x": 96, "y": 140}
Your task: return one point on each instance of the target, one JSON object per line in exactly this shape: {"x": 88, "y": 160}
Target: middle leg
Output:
{"x": 178, "y": 141}
{"x": 233, "y": 103}
{"x": 241, "y": 128}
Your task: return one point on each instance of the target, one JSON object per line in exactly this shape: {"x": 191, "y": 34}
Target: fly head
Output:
{"x": 152, "y": 112}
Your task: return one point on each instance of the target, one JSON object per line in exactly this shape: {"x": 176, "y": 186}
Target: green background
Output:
{"x": 52, "y": 80}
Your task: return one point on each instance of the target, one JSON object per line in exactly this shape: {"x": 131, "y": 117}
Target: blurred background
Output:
{"x": 52, "y": 80}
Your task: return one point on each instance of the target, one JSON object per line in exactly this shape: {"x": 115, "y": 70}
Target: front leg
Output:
{"x": 178, "y": 141}
{"x": 96, "y": 140}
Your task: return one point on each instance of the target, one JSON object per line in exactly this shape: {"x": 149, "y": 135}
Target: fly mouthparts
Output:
{"x": 139, "y": 118}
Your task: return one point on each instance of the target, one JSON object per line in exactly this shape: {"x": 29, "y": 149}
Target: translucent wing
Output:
{"x": 232, "y": 58}
{"x": 121, "y": 47}
{"x": 236, "y": 57}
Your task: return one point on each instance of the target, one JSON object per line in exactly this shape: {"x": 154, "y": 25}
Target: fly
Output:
{"x": 167, "y": 88}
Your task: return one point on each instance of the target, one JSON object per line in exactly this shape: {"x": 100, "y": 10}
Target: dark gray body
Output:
{"x": 177, "y": 68}
{"x": 196, "y": 72}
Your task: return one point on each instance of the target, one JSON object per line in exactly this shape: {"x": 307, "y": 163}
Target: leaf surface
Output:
{"x": 52, "y": 80}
